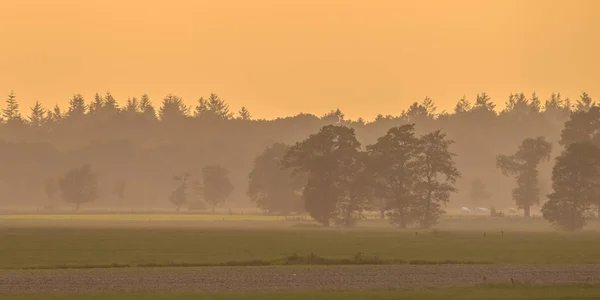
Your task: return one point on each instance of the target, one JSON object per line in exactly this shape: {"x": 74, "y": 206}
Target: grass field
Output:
{"x": 496, "y": 292}
{"x": 81, "y": 247}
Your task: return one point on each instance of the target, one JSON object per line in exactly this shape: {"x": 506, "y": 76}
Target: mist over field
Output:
{"x": 144, "y": 147}
{"x": 267, "y": 149}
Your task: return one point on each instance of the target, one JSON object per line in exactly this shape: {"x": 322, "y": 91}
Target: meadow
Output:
{"x": 117, "y": 243}
{"x": 105, "y": 240}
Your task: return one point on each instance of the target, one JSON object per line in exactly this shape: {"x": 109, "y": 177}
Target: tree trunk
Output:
{"x": 76, "y": 207}
{"x": 527, "y": 210}
{"x": 213, "y": 209}
{"x": 382, "y": 214}
{"x": 178, "y": 207}
{"x": 325, "y": 222}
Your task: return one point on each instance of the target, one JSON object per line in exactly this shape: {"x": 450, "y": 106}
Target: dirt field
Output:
{"x": 285, "y": 278}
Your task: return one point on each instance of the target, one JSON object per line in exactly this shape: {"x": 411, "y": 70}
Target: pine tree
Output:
{"x": 173, "y": 108}
{"x": 147, "y": 108}
{"x": 244, "y": 114}
{"x": 11, "y": 112}
{"x": 585, "y": 102}
{"x": 218, "y": 107}
{"x": 201, "y": 109}
{"x": 97, "y": 104}
{"x": 463, "y": 106}
{"x": 132, "y": 106}
{"x": 38, "y": 115}
{"x": 110, "y": 104}
{"x": 484, "y": 102}
{"x": 535, "y": 103}
{"x": 77, "y": 106}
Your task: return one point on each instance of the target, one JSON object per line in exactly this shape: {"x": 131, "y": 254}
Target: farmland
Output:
{"x": 183, "y": 253}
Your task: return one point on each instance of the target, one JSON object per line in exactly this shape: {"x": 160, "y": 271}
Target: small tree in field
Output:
{"x": 575, "y": 180}
{"x": 179, "y": 195}
{"x": 524, "y": 166}
{"x": 79, "y": 186}
{"x": 216, "y": 186}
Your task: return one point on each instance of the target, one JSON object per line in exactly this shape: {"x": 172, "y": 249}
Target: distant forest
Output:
{"x": 144, "y": 146}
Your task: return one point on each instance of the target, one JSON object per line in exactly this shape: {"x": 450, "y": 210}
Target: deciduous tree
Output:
{"x": 273, "y": 189}
{"x": 436, "y": 176}
{"x": 524, "y": 166}
{"x": 393, "y": 163}
{"x": 79, "y": 186}
{"x": 216, "y": 186}
{"x": 325, "y": 156}
{"x": 575, "y": 180}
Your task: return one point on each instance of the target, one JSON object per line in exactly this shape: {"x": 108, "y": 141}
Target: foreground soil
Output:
{"x": 272, "y": 279}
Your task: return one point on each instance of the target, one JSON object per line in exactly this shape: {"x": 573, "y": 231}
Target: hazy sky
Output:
{"x": 281, "y": 57}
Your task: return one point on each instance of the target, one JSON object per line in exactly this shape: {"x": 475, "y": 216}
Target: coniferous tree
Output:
{"x": 11, "y": 112}
{"x": 146, "y": 108}
{"x": 77, "y": 107}
{"x": 37, "y": 116}
{"x": 244, "y": 114}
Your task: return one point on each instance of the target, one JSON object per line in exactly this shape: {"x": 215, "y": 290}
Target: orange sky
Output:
{"x": 282, "y": 57}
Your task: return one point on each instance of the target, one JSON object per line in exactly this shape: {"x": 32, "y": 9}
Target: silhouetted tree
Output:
{"x": 11, "y": 112}
{"x": 244, "y": 114}
{"x": 585, "y": 102}
{"x": 77, "y": 107}
{"x": 146, "y": 108}
{"x": 271, "y": 188}
{"x": 325, "y": 156}
{"x": 173, "y": 108}
{"x": 216, "y": 186}
{"x": 334, "y": 117}
{"x": 79, "y": 186}
{"x": 110, "y": 105}
{"x": 524, "y": 165}
{"x": 356, "y": 190}
{"x": 394, "y": 166}
{"x": 436, "y": 176}
{"x": 463, "y": 106}
{"x": 96, "y": 105}
{"x": 37, "y": 116}
{"x": 575, "y": 180}
{"x": 132, "y": 107}
{"x": 582, "y": 126}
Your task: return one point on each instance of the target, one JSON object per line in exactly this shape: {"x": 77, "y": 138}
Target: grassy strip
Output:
{"x": 581, "y": 291}
{"x": 292, "y": 260}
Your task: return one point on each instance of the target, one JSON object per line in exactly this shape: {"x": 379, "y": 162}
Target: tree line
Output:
{"x": 410, "y": 179}
{"x": 143, "y": 146}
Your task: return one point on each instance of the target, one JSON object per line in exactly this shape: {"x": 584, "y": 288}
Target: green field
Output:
{"x": 84, "y": 247}
{"x": 482, "y": 293}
